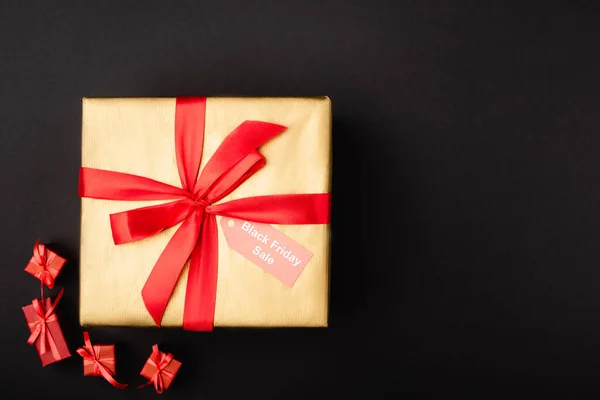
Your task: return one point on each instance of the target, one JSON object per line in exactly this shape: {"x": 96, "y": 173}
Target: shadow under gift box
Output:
{"x": 136, "y": 136}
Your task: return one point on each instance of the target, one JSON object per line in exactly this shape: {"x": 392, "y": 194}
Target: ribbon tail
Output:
{"x": 159, "y": 383}
{"x": 88, "y": 342}
{"x": 106, "y": 375}
{"x": 52, "y": 344}
{"x": 163, "y": 278}
{"x": 50, "y": 311}
{"x": 294, "y": 209}
{"x": 43, "y": 332}
{"x": 201, "y": 291}
{"x": 150, "y": 382}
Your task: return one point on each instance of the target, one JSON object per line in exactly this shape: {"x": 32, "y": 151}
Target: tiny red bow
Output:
{"x": 160, "y": 361}
{"x": 90, "y": 356}
{"x": 39, "y": 327}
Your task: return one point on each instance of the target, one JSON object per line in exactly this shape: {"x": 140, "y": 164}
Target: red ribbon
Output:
{"x": 159, "y": 360}
{"x": 46, "y": 272}
{"x": 234, "y": 162}
{"x": 39, "y": 327}
{"x": 90, "y": 356}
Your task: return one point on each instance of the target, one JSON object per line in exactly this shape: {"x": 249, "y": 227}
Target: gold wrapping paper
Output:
{"x": 136, "y": 135}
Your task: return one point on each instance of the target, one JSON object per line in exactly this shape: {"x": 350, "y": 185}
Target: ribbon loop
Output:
{"x": 242, "y": 141}
{"x": 235, "y": 176}
{"x": 40, "y": 253}
{"x": 140, "y": 223}
{"x": 165, "y": 274}
{"x": 110, "y": 185}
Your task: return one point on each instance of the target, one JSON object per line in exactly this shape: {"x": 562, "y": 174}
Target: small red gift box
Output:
{"x": 99, "y": 360}
{"x": 160, "y": 369}
{"x": 45, "y": 331}
{"x": 105, "y": 353}
{"x": 45, "y": 264}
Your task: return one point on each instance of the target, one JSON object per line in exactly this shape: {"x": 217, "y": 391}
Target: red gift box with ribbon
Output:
{"x": 181, "y": 201}
{"x": 99, "y": 360}
{"x": 45, "y": 264}
{"x": 160, "y": 369}
{"x": 46, "y": 334}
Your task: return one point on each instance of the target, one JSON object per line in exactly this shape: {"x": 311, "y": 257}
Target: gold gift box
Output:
{"x": 136, "y": 136}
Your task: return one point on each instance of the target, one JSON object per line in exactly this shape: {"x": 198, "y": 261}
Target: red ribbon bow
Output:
{"x": 46, "y": 272}
{"x": 91, "y": 356}
{"x": 159, "y": 360}
{"x": 233, "y": 163}
{"x": 39, "y": 327}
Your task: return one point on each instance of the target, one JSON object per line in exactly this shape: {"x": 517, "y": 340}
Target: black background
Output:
{"x": 466, "y": 214}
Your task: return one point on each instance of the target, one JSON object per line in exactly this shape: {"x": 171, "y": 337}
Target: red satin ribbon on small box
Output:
{"x": 45, "y": 330}
{"x": 45, "y": 264}
{"x": 160, "y": 370}
{"x": 93, "y": 358}
{"x": 234, "y": 162}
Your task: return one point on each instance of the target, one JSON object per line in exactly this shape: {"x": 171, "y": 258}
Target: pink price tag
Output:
{"x": 265, "y": 246}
